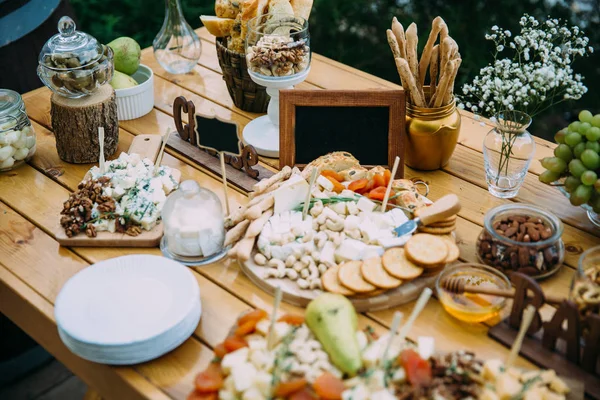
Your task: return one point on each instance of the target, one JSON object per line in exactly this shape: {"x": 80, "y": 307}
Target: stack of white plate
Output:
{"x": 128, "y": 310}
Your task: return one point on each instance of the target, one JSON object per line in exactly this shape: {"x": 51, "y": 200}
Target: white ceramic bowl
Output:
{"x": 137, "y": 101}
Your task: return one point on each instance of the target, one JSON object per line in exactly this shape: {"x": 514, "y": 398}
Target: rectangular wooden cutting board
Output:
{"x": 147, "y": 146}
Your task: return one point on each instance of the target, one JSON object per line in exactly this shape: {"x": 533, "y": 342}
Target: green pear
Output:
{"x": 333, "y": 320}
{"x": 122, "y": 81}
{"x": 127, "y": 54}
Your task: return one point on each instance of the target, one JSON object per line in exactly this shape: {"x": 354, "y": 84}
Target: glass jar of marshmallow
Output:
{"x": 17, "y": 138}
{"x": 193, "y": 225}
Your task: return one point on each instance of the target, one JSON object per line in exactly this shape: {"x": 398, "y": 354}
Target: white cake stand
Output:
{"x": 263, "y": 132}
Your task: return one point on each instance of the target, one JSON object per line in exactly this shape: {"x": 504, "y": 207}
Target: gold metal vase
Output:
{"x": 432, "y": 134}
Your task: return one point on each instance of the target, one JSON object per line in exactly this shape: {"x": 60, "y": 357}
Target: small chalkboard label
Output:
{"x": 220, "y": 136}
{"x": 369, "y": 124}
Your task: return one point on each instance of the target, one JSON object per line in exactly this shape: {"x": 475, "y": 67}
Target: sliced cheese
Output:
{"x": 291, "y": 194}
{"x": 324, "y": 183}
{"x": 234, "y": 358}
{"x": 365, "y": 204}
{"x": 349, "y": 249}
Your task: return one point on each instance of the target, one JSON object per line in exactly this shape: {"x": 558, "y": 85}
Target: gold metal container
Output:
{"x": 432, "y": 134}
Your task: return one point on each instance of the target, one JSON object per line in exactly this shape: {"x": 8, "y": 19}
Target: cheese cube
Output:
{"x": 351, "y": 223}
{"x": 426, "y": 346}
{"x": 256, "y": 341}
{"x": 347, "y": 193}
{"x": 397, "y": 216}
{"x": 228, "y": 384}
{"x": 291, "y": 194}
{"x": 234, "y": 358}
{"x": 492, "y": 369}
{"x": 507, "y": 387}
{"x": 327, "y": 254}
{"x": 262, "y": 326}
{"x": 399, "y": 375}
{"x": 371, "y": 251}
{"x": 364, "y": 204}
{"x": 253, "y": 394}
{"x": 260, "y": 358}
{"x": 226, "y": 395}
{"x": 376, "y": 380}
{"x": 393, "y": 241}
{"x": 262, "y": 381}
{"x": 280, "y": 329}
{"x": 325, "y": 183}
{"x": 243, "y": 375}
{"x": 383, "y": 394}
{"x": 350, "y": 249}
{"x": 362, "y": 340}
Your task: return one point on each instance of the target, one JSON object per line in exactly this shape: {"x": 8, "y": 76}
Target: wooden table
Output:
{"x": 33, "y": 267}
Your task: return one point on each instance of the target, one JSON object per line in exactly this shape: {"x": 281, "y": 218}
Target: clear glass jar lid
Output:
{"x": 10, "y": 103}
{"x": 70, "y": 48}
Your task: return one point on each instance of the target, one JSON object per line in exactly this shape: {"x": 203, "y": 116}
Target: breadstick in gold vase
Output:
{"x": 412, "y": 41}
{"x": 409, "y": 80}
{"x": 450, "y": 92}
{"x": 398, "y": 30}
{"x": 393, "y": 43}
{"x": 436, "y": 27}
{"x": 449, "y": 72}
{"x": 434, "y": 69}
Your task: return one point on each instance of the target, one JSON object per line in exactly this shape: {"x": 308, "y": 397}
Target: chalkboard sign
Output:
{"x": 214, "y": 134}
{"x": 370, "y": 124}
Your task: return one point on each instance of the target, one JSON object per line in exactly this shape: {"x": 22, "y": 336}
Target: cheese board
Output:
{"x": 134, "y": 167}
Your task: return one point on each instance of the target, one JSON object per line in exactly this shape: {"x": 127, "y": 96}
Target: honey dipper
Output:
{"x": 459, "y": 286}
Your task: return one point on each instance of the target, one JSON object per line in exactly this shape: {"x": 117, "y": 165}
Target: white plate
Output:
{"x": 126, "y": 300}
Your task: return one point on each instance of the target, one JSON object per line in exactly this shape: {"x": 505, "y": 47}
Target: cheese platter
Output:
{"x": 120, "y": 206}
{"x": 325, "y": 229}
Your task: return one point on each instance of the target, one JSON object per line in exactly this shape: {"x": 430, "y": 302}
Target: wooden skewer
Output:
{"x": 459, "y": 286}
{"x": 224, "y": 176}
{"x": 516, "y": 347}
{"x": 389, "y": 186}
{"x": 273, "y": 317}
{"x": 159, "y": 157}
{"x": 393, "y": 329}
{"x": 102, "y": 162}
{"x": 421, "y": 303}
{"x": 313, "y": 179}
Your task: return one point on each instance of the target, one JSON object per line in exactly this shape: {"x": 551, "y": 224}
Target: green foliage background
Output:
{"x": 353, "y": 32}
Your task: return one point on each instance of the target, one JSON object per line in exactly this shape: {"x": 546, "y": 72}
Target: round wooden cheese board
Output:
{"x": 292, "y": 294}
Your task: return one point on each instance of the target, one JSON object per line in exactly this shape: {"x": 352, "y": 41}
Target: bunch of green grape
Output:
{"x": 577, "y": 158}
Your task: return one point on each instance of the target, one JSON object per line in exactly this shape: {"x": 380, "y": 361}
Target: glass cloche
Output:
{"x": 193, "y": 225}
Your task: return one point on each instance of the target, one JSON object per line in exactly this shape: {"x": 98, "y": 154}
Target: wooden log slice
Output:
{"x": 75, "y": 124}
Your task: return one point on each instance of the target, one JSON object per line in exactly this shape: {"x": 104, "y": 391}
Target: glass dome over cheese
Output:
{"x": 194, "y": 224}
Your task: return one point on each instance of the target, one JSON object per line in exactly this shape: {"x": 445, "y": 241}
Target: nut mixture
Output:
{"x": 525, "y": 259}
{"x": 586, "y": 293}
{"x": 276, "y": 55}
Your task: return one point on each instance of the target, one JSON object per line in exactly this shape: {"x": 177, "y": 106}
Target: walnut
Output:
{"x": 133, "y": 230}
{"x": 90, "y": 231}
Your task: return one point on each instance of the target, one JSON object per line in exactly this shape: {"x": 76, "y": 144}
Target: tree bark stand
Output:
{"x": 75, "y": 123}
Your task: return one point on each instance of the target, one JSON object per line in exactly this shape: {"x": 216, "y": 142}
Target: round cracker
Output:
{"x": 433, "y": 271}
{"x": 396, "y": 264}
{"x": 418, "y": 212}
{"x": 453, "y": 250}
{"x": 426, "y": 250}
{"x": 349, "y": 276}
{"x": 331, "y": 284}
{"x": 373, "y": 272}
{"x": 437, "y": 231}
{"x": 443, "y": 224}
{"x": 369, "y": 295}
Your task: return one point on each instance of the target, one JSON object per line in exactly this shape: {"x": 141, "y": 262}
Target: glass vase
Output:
{"x": 177, "y": 48}
{"x": 507, "y": 152}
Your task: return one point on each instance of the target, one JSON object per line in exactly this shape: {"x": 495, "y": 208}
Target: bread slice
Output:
{"x": 280, "y": 7}
{"x": 302, "y": 8}
{"x": 219, "y": 27}
{"x": 227, "y": 8}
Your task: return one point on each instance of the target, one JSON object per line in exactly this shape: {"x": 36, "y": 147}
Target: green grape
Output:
{"x": 554, "y": 164}
{"x": 560, "y": 135}
{"x": 584, "y": 128}
{"x": 594, "y": 202}
{"x": 593, "y": 146}
{"x": 577, "y": 150}
{"x": 597, "y": 186}
{"x": 581, "y": 195}
{"x": 593, "y": 134}
{"x": 571, "y": 183}
{"x": 596, "y": 121}
{"x": 585, "y": 116}
{"x": 563, "y": 152}
{"x": 590, "y": 159}
{"x": 548, "y": 176}
{"x": 573, "y": 138}
{"x": 577, "y": 168}
{"x": 574, "y": 126}
{"x": 589, "y": 178}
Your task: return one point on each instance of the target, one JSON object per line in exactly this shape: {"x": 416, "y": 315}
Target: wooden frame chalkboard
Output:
{"x": 370, "y": 124}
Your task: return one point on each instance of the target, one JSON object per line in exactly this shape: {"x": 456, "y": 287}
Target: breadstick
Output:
{"x": 236, "y": 233}
{"x": 451, "y": 69}
{"x": 407, "y": 77}
{"x": 434, "y": 69}
{"x": 450, "y": 92}
{"x": 393, "y": 43}
{"x": 258, "y": 224}
{"x": 244, "y": 248}
{"x": 436, "y": 27}
{"x": 412, "y": 41}
{"x": 446, "y": 48}
{"x": 256, "y": 211}
{"x": 398, "y": 30}
{"x": 235, "y": 217}
{"x": 264, "y": 184}
{"x": 232, "y": 253}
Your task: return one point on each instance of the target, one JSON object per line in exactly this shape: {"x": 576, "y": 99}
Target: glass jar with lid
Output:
{"x": 17, "y": 138}
{"x": 194, "y": 230}
{"x": 73, "y": 63}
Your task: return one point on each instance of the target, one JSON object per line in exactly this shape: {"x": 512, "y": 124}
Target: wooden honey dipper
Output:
{"x": 459, "y": 286}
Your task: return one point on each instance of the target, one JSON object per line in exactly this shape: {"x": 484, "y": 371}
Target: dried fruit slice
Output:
{"x": 329, "y": 387}
{"x": 284, "y": 389}
{"x": 233, "y": 343}
{"x": 209, "y": 380}
{"x": 292, "y": 319}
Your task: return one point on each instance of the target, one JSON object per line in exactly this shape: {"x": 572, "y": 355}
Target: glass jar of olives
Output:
{"x": 17, "y": 138}
{"x": 73, "y": 63}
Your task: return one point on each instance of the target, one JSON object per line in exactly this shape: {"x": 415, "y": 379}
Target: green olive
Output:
{"x": 56, "y": 81}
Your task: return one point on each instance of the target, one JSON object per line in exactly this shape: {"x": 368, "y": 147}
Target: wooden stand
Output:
{"x": 75, "y": 124}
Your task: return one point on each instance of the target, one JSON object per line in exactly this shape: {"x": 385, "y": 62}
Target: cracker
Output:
{"x": 429, "y": 272}
{"x": 396, "y": 264}
{"x": 369, "y": 295}
{"x": 437, "y": 231}
{"x": 349, "y": 276}
{"x": 373, "y": 272}
{"x": 441, "y": 224}
{"x": 453, "y": 250}
{"x": 426, "y": 250}
{"x": 331, "y": 284}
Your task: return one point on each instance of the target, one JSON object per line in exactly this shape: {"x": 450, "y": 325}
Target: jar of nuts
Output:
{"x": 521, "y": 238}
{"x": 17, "y": 138}
{"x": 585, "y": 288}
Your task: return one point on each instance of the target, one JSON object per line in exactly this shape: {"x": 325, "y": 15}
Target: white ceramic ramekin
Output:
{"x": 137, "y": 101}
